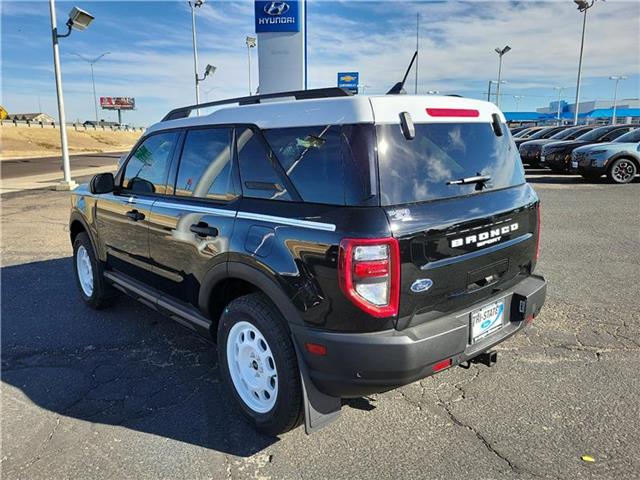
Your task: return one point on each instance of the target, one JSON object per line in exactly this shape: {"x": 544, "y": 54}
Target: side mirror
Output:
{"x": 102, "y": 183}
{"x": 407, "y": 126}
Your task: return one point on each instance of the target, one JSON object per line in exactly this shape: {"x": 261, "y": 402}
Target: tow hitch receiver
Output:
{"x": 487, "y": 358}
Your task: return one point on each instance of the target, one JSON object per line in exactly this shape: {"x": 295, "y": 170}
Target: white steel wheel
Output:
{"x": 252, "y": 367}
{"x": 85, "y": 270}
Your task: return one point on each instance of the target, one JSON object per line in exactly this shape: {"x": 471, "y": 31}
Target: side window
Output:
{"x": 615, "y": 134}
{"x": 327, "y": 164}
{"x": 146, "y": 170}
{"x": 258, "y": 174}
{"x": 206, "y": 165}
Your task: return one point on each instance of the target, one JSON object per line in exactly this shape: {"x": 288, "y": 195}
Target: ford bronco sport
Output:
{"x": 333, "y": 245}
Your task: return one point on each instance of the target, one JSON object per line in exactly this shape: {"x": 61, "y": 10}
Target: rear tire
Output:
{"x": 622, "y": 170}
{"x": 94, "y": 290}
{"x": 258, "y": 364}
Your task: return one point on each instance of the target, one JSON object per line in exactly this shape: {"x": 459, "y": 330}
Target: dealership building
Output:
{"x": 593, "y": 111}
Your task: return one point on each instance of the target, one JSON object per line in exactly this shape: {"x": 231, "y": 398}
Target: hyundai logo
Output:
{"x": 276, "y": 8}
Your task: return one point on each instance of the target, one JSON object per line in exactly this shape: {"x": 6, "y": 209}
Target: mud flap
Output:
{"x": 319, "y": 409}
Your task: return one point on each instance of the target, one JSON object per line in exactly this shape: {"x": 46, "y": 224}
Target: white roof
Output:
{"x": 286, "y": 112}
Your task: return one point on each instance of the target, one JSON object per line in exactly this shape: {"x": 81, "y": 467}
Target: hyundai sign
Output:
{"x": 349, "y": 81}
{"x": 277, "y": 16}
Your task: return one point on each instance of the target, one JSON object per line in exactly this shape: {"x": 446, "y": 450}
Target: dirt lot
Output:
{"x": 41, "y": 142}
{"x": 126, "y": 393}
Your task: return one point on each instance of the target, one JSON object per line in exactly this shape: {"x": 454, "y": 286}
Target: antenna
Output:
{"x": 398, "y": 88}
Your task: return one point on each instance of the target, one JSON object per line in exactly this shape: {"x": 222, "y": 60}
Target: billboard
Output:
{"x": 348, "y": 80}
{"x": 117, "y": 103}
{"x": 277, "y": 16}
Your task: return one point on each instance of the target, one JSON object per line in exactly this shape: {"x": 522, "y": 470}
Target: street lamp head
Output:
{"x": 251, "y": 42}
{"x": 210, "y": 70}
{"x": 79, "y": 19}
{"x": 618, "y": 77}
{"x": 197, "y": 3}
{"x": 583, "y": 5}
{"x": 502, "y": 51}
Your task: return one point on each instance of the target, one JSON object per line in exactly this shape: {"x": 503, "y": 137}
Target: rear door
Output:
{"x": 459, "y": 243}
{"x": 191, "y": 226}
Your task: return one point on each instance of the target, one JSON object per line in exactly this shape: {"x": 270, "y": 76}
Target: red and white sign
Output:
{"x": 117, "y": 103}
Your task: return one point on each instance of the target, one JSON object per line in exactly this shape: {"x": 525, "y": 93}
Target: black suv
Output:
{"x": 328, "y": 254}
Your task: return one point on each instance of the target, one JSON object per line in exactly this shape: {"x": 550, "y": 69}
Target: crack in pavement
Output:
{"x": 446, "y": 406}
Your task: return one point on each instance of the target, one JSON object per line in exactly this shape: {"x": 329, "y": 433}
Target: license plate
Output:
{"x": 542, "y": 159}
{"x": 574, "y": 164}
{"x": 486, "y": 320}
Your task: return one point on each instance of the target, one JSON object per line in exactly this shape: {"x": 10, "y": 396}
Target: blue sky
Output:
{"x": 151, "y": 59}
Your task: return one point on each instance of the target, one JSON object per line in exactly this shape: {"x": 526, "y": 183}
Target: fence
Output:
{"x": 75, "y": 126}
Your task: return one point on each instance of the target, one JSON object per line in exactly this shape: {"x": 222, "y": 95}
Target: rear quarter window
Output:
{"x": 330, "y": 164}
{"x": 418, "y": 170}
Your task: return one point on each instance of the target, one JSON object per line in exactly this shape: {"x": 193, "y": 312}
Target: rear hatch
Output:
{"x": 459, "y": 243}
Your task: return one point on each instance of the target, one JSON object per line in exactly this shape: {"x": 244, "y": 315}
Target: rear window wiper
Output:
{"x": 464, "y": 181}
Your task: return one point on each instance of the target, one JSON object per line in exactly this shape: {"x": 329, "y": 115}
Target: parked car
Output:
{"x": 557, "y": 155}
{"x": 515, "y": 130}
{"x": 544, "y": 132}
{"x": 333, "y": 245}
{"x": 522, "y": 133}
{"x": 619, "y": 160}
{"x": 527, "y": 134}
{"x": 531, "y": 150}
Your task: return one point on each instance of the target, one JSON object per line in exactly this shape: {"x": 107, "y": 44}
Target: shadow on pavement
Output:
{"x": 126, "y": 365}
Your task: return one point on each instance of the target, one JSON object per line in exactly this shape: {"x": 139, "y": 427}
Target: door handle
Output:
{"x": 135, "y": 215}
{"x": 202, "y": 229}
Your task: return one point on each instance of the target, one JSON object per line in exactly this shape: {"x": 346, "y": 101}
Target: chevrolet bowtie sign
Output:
{"x": 277, "y": 16}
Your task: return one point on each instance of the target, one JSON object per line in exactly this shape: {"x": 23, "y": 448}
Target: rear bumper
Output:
{"x": 358, "y": 364}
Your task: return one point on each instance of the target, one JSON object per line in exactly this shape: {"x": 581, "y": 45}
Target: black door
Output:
{"x": 123, "y": 216}
{"x": 191, "y": 226}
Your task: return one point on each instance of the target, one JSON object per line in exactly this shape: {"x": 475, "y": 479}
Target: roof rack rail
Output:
{"x": 184, "y": 112}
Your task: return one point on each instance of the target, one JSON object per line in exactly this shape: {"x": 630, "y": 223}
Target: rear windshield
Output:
{"x": 418, "y": 170}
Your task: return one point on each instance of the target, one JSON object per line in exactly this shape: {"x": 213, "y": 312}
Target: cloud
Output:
{"x": 152, "y": 56}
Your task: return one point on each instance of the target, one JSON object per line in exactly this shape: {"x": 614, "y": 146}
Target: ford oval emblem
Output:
{"x": 421, "y": 285}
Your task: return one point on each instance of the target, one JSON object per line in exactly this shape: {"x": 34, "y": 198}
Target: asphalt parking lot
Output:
{"x": 126, "y": 393}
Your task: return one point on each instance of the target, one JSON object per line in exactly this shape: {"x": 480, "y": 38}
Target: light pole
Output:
{"x": 500, "y": 52}
{"x": 417, "y": 49}
{"x": 79, "y": 20}
{"x": 583, "y": 6}
{"x": 517, "y": 98}
{"x": 489, "y": 90}
{"x": 251, "y": 43}
{"x": 93, "y": 80}
{"x": 559, "y": 89}
{"x": 194, "y": 5}
{"x": 617, "y": 78}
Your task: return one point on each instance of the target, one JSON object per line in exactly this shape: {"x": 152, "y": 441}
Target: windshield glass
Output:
{"x": 567, "y": 133}
{"x": 418, "y": 170}
{"x": 522, "y": 133}
{"x": 631, "y": 137}
{"x": 595, "y": 134}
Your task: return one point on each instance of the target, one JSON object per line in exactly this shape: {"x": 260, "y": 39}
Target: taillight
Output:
{"x": 538, "y": 236}
{"x": 369, "y": 274}
{"x": 452, "y": 112}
